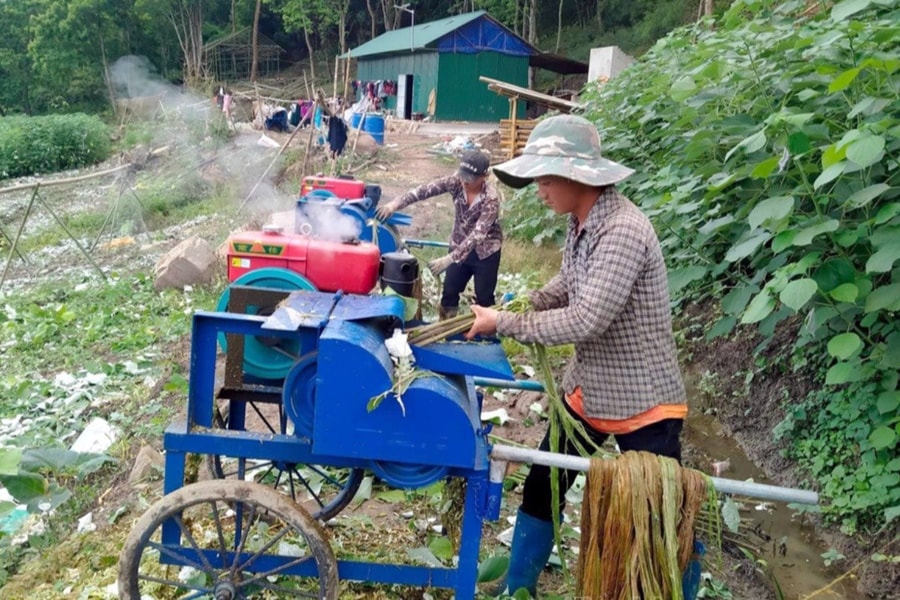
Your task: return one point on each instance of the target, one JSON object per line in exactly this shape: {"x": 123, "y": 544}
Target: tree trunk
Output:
{"x": 188, "y": 23}
{"x": 532, "y": 23}
{"x": 516, "y": 29}
{"x": 708, "y": 8}
{"x": 372, "y": 17}
{"x": 342, "y": 27}
{"x": 559, "y": 26}
{"x": 599, "y": 15}
{"x": 255, "y": 43}
{"x": 312, "y": 58}
{"x": 390, "y": 15}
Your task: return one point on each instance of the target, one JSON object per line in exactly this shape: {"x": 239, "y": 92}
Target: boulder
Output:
{"x": 192, "y": 262}
{"x": 146, "y": 465}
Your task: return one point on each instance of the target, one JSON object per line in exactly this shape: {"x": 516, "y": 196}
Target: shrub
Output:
{"x": 34, "y": 145}
{"x": 766, "y": 153}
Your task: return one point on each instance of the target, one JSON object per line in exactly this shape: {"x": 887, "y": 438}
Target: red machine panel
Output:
{"x": 339, "y": 186}
{"x": 330, "y": 266}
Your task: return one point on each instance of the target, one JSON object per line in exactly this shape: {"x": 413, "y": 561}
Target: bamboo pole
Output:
{"x": 347, "y": 83}
{"x": 334, "y": 87}
{"x": 19, "y": 234}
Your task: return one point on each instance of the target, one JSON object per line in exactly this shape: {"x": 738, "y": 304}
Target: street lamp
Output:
{"x": 412, "y": 28}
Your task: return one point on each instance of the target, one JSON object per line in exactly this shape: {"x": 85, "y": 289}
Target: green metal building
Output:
{"x": 446, "y": 57}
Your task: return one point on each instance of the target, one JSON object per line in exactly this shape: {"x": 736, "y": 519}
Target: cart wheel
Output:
{"x": 226, "y": 540}
{"x": 323, "y": 491}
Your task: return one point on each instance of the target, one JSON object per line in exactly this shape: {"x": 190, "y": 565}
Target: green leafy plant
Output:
{"x": 30, "y": 145}
{"x": 766, "y": 154}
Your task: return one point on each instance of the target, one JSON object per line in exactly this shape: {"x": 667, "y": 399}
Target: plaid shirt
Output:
{"x": 475, "y": 227}
{"x": 611, "y": 300}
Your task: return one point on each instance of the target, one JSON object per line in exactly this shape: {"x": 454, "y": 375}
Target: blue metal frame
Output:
{"x": 353, "y": 327}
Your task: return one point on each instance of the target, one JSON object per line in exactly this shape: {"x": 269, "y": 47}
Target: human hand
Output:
{"x": 439, "y": 265}
{"x": 485, "y": 322}
{"x": 384, "y": 211}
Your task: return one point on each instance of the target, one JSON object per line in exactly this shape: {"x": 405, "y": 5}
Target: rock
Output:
{"x": 147, "y": 462}
{"x": 192, "y": 262}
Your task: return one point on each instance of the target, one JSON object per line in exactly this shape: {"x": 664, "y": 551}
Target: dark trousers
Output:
{"x": 457, "y": 277}
{"x": 660, "y": 438}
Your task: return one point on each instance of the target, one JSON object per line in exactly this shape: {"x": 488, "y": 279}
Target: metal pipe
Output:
{"x": 726, "y": 486}
{"x": 509, "y": 384}
{"x": 426, "y": 244}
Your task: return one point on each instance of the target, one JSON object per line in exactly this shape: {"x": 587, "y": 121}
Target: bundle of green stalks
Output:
{"x": 441, "y": 330}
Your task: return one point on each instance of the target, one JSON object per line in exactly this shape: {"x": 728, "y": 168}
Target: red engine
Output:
{"x": 330, "y": 266}
{"x": 339, "y": 186}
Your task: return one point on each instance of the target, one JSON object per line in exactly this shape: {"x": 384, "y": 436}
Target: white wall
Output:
{"x": 607, "y": 62}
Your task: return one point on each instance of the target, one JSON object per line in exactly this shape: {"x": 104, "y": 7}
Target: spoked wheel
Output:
{"x": 323, "y": 491}
{"x": 227, "y": 540}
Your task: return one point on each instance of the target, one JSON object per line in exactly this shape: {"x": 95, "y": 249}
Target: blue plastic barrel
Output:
{"x": 355, "y": 119}
{"x": 374, "y": 126}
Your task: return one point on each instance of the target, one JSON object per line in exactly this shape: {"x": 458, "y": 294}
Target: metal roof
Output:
{"x": 558, "y": 63}
{"x": 413, "y": 38}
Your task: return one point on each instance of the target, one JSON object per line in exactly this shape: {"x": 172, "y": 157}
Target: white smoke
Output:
{"x": 325, "y": 221}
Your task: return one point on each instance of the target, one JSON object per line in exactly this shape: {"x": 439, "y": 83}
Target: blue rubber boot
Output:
{"x": 690, "y": 581}
{"x": 531, "y": 546}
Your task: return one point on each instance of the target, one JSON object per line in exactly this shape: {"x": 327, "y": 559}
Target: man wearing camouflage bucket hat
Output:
{"x": 610, "y": 299}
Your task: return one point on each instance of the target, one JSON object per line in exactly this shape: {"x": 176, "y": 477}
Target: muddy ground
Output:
{"x": 409, "y": 158}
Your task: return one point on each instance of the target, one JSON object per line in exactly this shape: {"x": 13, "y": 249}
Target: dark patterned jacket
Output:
{"x": 611, "y": 300}
{"x": 475, "y": 227}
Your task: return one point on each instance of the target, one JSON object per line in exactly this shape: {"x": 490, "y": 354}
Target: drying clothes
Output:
{"x": 337, "y": 135}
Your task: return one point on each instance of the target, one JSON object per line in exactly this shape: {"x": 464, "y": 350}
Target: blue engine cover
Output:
{"x": 441, "y": 425}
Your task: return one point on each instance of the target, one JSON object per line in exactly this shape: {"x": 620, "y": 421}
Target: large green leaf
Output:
{"x": 736, "y": 300}
{"x": 25, "y": 486}
{"x": 805, "y": 235}
{"x": 883, "y": 260}
{"x": 891, "y": 357}
{"x": 843, "y": 372}
{"x": 844, "y": 345}
{"x": 9, "y": 460}
{"x": 798, "y": 143}
{"x": 866, "y": 151}
{"x": 847, "y": 8}
{"x": 833, "y": 273}
{"x": 442, "y": 548}
{"x": 492, "y": 568}
{"x": 830, "y": 173}
{"x": 679, "y": 278}
{"x": 888, "y": 402}
{"x": 759, "y": 308}
{"x": 750, "y": 144}
{"x": 843, "y": 81}
{"x": 747, "y": 245}
{"x": 866, "y": 195}
{"x": 882, "y": 437}
{"x": 846, "y": 292}
{"x": 887, "y": 212}
{"x": 771, "y": 210}
{"x": 683, "y": 89}
{"x": 884, "y": 297}
{"x": 797, "y": 293}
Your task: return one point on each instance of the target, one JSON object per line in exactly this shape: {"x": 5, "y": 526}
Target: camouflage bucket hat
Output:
{"x": 566, "y": 146}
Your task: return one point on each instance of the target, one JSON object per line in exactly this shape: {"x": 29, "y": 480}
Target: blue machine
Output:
{"x": 320, "y": 205}
{"x": 216, "y": 530}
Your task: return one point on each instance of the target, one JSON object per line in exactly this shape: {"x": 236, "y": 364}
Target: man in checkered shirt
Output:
{"x": 611, "y": 300}
{"x": 476, "y": 237}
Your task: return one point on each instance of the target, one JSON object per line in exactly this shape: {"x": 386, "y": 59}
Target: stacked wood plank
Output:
{"x": 513, "y": 135}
